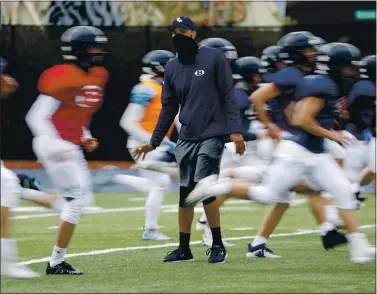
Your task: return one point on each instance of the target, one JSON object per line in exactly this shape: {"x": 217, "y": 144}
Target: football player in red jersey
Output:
{"x": 70, "y": 93}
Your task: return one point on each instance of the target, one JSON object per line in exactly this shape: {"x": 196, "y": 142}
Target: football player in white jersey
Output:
{"x": 10, "y": 195}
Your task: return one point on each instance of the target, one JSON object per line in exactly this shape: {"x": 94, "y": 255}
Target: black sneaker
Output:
{"x": 216, "y": 254}
{"x": 333, "y": 238}
{"x": 260, "y": 251}
{"x": 62, "y": 268}
{"x": 179, "y": 255}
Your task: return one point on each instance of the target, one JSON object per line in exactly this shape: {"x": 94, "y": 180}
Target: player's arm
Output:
{"x": 304, "y": 117}
{"x": 134, "y": 113}
{"x": 39, "y": 116}
{"x": 170, "y": 108}
{"x": 259, "y": 99}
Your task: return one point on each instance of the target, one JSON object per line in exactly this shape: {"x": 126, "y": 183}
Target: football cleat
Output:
{"x": 333, "y": 239}
{"x": 179, "y": 255}
{"x": 260, "y": 251}
{"x": 17, "y": 271}
{"x": 363, "y": 254}
{"x": 154, "y": 235}
{"x": 62, "y": 268}
{"x": 216, "y": 254}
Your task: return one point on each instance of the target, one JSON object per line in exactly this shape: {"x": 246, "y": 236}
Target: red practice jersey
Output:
{"x": 80, "y": 94}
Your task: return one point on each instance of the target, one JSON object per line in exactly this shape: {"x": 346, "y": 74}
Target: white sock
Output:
{"x": 141, "y": 184}
{"x": 57, "y": 255}
{"x": 153, "y": 204}
{"x": 259, "y": 240}
{"x": 325, "y": 227}
{"x": 357, "y": 240}
{"x": 203, "y": 218}
{"x": 331, "y": 212}
{"x": 8, "y": 250}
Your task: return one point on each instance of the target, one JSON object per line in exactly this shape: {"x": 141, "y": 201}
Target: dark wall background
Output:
{"x": 30, "y": 50}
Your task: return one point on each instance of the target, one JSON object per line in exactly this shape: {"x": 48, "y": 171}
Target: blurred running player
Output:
{"x": 361, "y": 123}
{"x": 10, "y": 196}
{"x": 139, "y": 120}
{"x": 246, "y": 72}
{"x": 302, "y": 155}
{"x": 59, "y": 119}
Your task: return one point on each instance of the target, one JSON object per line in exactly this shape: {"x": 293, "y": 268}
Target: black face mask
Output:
{"x": 186, "y": 48}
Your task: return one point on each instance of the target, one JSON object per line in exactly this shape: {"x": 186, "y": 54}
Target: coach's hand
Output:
{"x": 237, "y": 139}
{"x": 141, "y": 151}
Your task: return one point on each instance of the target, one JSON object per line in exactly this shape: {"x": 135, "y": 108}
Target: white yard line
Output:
{"x": 111, "y": 250}
{"x": 96, "y": 210}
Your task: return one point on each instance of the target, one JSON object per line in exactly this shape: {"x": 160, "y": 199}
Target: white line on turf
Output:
{"x": 96, "y": 210}
{"x": 242, "y": 229}
{"x": 111, "y": 250}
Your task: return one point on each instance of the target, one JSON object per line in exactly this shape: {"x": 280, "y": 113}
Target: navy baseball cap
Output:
{"x": 184, "y": 22}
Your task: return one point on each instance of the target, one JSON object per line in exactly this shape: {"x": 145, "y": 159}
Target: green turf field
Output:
{"x": 107, "y": 246}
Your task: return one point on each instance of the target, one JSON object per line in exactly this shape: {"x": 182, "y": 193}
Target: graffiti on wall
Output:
{"x": 139, "y": 13}
{"x": 94, "y": 13}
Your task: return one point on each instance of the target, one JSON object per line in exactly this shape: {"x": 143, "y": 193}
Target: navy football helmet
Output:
{"x": 340, "y": 61}
{"x": 154, "y": 62}
{"x": 294, "y": 46}
{"x": 368, "y": 67}
{"x": 246, "y": 67}
{"x": 75, "y": 43}
{"x": 270, "y": 58}
{"x": 224, "y": 45}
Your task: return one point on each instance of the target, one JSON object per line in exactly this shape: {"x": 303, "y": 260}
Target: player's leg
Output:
{"x": 186, "y": 156}
{"x": 10, "y": 193}
{"x": 228, "y": 162}
{"x": 44, "y": 199}
{"x": 31, "y": 191}
{"x": 327, "y": 174}
{"x": 208, "y": 163}
{"x": 338, "y": 152}
{"x": 369, "y": 174}
{"x": 66, "y": 166}
{"x": 159, "y": 186}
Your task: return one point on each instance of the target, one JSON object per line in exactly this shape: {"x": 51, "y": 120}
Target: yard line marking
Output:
{"x": 242, "y": 229}
{"x": 136, "y": 199}
{"x": 95, "y": 210}
{"x": 201, "y": 209}
{"x": 111, "y": 250}
{"x": 101, "y": 210}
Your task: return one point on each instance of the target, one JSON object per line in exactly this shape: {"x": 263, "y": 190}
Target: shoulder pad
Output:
{"x": 142, "y": 94}
{"x": 319, "y": 86}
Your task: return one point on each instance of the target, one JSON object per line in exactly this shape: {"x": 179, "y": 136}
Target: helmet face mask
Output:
{"x": 300, "y": 49}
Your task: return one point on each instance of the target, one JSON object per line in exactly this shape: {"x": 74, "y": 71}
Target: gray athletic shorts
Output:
{"x": 198, "y": 159}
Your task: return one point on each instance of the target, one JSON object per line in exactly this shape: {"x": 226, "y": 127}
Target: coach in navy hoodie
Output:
{"x": 199, "y": 83}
